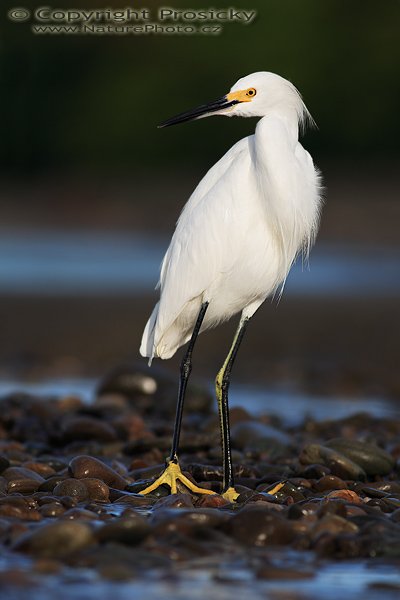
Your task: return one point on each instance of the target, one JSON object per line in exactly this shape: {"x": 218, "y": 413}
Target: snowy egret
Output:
{"x": 254, "y": 211}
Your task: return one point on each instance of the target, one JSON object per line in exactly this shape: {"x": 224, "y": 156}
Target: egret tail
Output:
{"x": 147, "y": 345}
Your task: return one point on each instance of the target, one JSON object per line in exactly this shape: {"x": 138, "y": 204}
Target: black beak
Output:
{"x": 201, "y": 111}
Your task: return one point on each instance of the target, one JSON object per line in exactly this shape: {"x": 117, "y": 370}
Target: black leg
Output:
{"x": 222, "y": 386}
{"x": 186, "y": 368}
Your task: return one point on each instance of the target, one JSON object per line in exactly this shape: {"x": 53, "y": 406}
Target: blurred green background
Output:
{"x": 91, "y": 103}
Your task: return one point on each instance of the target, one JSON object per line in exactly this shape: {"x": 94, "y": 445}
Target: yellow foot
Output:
{"x": 169, "y": 477}
{"x": 231, "y": 494}
{"x": 275, "y": 489}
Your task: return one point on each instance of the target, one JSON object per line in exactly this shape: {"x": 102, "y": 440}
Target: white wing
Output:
{"x": 198, "y": 253}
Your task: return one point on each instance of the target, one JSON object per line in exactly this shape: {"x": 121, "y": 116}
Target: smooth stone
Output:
{"x": 52, "y": 510}
{"x": 371, "y": 458}
{"x": 72, "y": 487}
{"x": 44, "y": 498}
{"x": 333, "y": 506}
{"x": 88, "y": 428}
{"x": 330, "y": 482}
{"x": 22, "y": 486}
{"x": 79, "y": 514}
{"x": 129, "y": 530}
{"x": 49, "y": 484}
{"x": 55, "y": 462}
{"x": 354, "y": 511}
{"x": 258, "y": 436}
{"x": 347, "y": 495}
{"x": 56, "y": 540}
{"x": 174, "y": 501}
{"x": 259, "y": 526}
{"x": 40, "y": 468}
{"x": 84, "y": 467}
{"x": 333, "y": 524}
{"x": 16, "y": 473}
{"x": 339, "y": 464}
{"x": 214, "y": 501}
{"x": 391, "y": 487}
{"x": 17, "y": 508}
{"x": 98, "y": 491}
{"x": 316, "y": 471}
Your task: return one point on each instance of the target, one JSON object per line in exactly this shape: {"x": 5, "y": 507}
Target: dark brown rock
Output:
{"x": 372, "y": 459}
{"x": 88, "y": 428}
{"x": 98, "y": 491}
{"x": 56, "y": 540}
{"x": 72, "y": 487}
{"x": 83, "y": 467}
{"x": 258, "y": 526}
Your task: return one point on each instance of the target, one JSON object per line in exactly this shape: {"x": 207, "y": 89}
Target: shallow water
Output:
{"x": 80, "y": 263}
{"x": 352, "y": 579}
{"x": 289, "y": 404}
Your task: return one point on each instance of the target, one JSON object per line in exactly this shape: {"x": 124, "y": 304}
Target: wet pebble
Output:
{"x": 333, "y": 524}
{"x": 73, "y": 488}
{"x": 52, "y": 510}
{"x": 258, "y": 436}
{"x": 347, "y": 495}
{"x": 256, "y": 526}
{"x": 18, "y": 473}
{"x": 56, "y": 540}
{"x": 330, "y": 482}
{"x": 19, "y": 508}
{"x": 22, "y": 486}
{"x": 89, "y": 467}
{"x": 337, "y": 462}
{"x": 372, "y": 459}
{"x": 40, "y": 468}
{"x": 97, "y": 490}
{"x": 174, "y": 501}
{"x": 212, "y": 501}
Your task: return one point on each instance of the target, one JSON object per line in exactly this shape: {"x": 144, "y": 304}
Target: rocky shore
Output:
{"x": 71, "y": 473}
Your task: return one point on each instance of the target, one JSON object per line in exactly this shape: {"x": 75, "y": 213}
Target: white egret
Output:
{"x": 254, "y": 211}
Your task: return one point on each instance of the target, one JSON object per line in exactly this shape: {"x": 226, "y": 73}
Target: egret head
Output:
{"x": 255, "y": 95}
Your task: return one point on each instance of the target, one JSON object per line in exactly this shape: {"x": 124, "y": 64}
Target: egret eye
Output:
{"x": 251, "y": 92}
